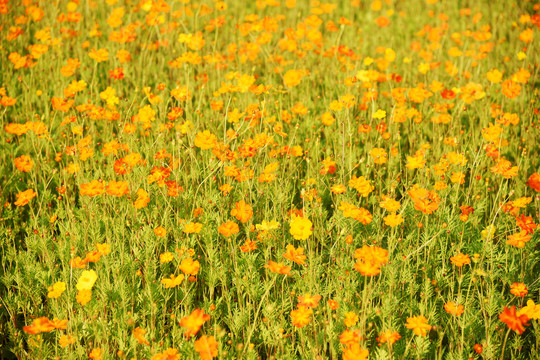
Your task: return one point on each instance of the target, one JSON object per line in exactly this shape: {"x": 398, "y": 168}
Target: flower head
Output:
{"x": 419, "y": 325}
{"x": 513, "y": 320}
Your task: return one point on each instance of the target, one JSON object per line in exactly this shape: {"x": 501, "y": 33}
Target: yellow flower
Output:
{"x": 415, "y": 162}
{"x": 350, "y": 319}
{"x": 379, "y": 155}
{"x": 166, "y": 257}
{"x": 86, "y": 280}
{"x": 300, "y": 228}
{"x": 494, "y": 76}
{"x": 104, "y": 249}
{"x": 193, "y": 228}
{"x": 84, "y": 296}
{"x": 532, "y": 310}
{"x": 379, "y": 114}
{"x": 56, "y": 290}
{"x": 488, "y": 232}
{"x": 173, "y": 281}
{"x": 66, "y": 340}
{"x": 267, "y": 225}
{"x": 205, "y": 140}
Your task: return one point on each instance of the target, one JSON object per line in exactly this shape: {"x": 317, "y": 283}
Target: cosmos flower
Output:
{"x": 419, "y": 325}
{"x": 513, "y": 320}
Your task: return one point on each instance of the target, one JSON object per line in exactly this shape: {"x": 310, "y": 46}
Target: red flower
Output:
{"x": 448, "y": 94}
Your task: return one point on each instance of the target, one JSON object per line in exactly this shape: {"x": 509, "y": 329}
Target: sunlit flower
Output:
{"x": 460, "y": 259}
{"x": 301, "y": 316}
{"x": 207, "y": 347}
{"x": 300, "y": 228}
{"x": 419, "y": 325}
{"x": 453, "y": 308}
{"x": 513, "y": 320}
{"x": 56, "y": 290}
{"x": 519, "y": 289}
{"x": 228, "y": 228}
{"x": 193, "y": 322}
{"x": 24, "y": 197}
{"x": 86, "y": 280}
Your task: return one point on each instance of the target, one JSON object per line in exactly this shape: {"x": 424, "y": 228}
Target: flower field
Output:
{"x": 352, "y": 179}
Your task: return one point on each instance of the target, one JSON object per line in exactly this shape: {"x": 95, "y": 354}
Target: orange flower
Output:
{"x": 534, "y": 182}
{"x": 207, "y": 347}
{"x": 39, "y": 325}
{"x": 478, "y": 348}
{"x": 504, "y": 167}
{"x": 295, "y": 255}
{"x": 511, "y": 89}
{"x": 193, "y": 228}
{"x": 361, "y": 185}
{"x": 301, "y": 317}
{"x": 382, "y": 21}
{"x": 118, "y": 188}
{"x": 393, "y": 220}
{"x": 278, "y": 268}
{"x": 61, "y": 104}
{"x": 349, "y": 337}
{"x": 327, "y": 118}
{"x": 99, "y": 55}
{"x": 166, "y": 257}
{"x": 514, "y": 322}
{"x": 465, "y": 211}
{"x": 453, "y": 309}
{"x": 24, "y": 163}
{"x": 425, "y": 201}
{"x": 169, "y": 354}
{"x": 379, "y": 155}
{"x": 193, "y": 322}
{"x": 228, "y": 229}
{"x": 351, "y": 319}
{"x": 242, "y": 211}
{"x": 66, "y": 340}
{"x": 77, "y": 263}
{"x": 96, "y": 354}
{"x": 92, "y": 256}
{"x": 248, "y": 246}
{"x": 142, "y": 199}
{"x": 519, "y": 289}
{"x": 419, "y": 325}
{"x": 24, "y": 197}
{"x": 92, "y": 188}
{"x": 173, "y": 281}
{"x": 138, "y": 334}
{"x": 460, "y": 259}
{"x": 518, "y": 240}
{"x": 370, "y": 260}
{"x": 189, "y": 266}
{"x": 334, "y": 305}
{"x": 83, "y": 297}
{"x": 292, "y": 78}
{"x": 309, "y": 301}
{"x": 526, "y": 223}
{"x": 205, "y": 140}
{"x": 355, "y": 352}
{"x": 389, "y": 337}
{"x": 160, "y": 231}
